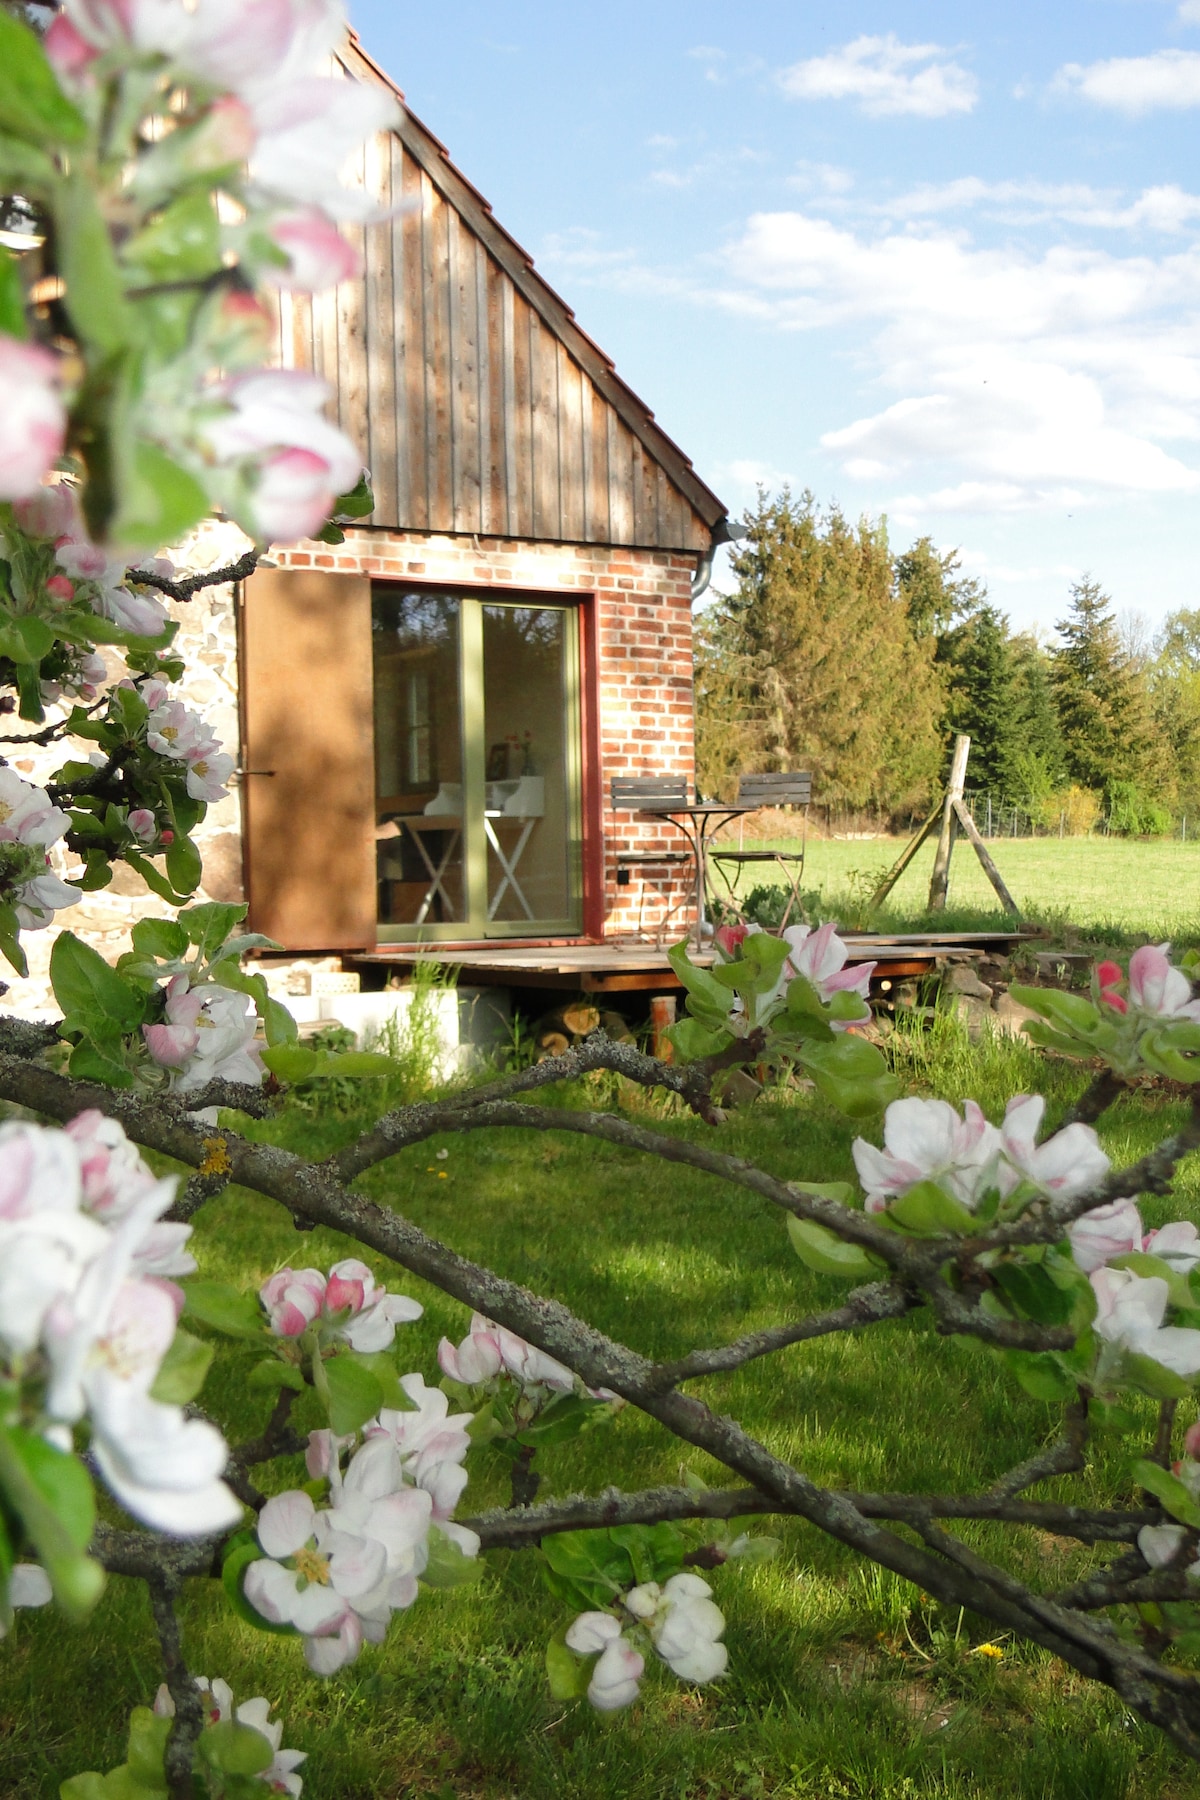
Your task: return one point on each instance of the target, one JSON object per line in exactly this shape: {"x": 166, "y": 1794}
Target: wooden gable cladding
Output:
{"x": 480, "y": 405}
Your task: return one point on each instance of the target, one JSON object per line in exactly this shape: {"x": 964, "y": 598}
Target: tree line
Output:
{"x": 837, "y": 654}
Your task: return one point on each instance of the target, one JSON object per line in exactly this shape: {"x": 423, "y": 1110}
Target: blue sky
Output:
{"x": 940, "y": 262}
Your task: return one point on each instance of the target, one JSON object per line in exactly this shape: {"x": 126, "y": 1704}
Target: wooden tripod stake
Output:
{"x": 953, "y": 816}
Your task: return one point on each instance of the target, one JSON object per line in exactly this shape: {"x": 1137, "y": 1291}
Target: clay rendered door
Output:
{"x": 477, "y": 766}
{"x": 308, "y": 758}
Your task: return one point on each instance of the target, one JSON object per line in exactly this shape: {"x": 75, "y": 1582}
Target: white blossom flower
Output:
{"x": 489, "y": 1350}
{"x": 1155, "y": 986}
{"x": 280, "y": 1777}
{"x": 1177, "y": 1243}
{"x": 684, "y": 1625}
{"x": 1159, "y": 1544}
{"x": 1066, "y": 1165}
{"x": 615, "y": 1678}
{"x": 1129, "y": 1313}
{"x": 1107, "y": 1231}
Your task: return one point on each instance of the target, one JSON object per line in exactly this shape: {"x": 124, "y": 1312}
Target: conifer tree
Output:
{"x": 977, "y": 660}
{"x": 1103, "y": 707}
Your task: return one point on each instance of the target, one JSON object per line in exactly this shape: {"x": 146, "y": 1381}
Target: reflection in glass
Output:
{"x": 526, "y": 810}
{"x": 419, "y": 805}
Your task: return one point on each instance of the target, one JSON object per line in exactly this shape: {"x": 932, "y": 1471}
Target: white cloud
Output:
{"x": 887, "y": 78}
{"x": 1189, "y": 12}
{"x": 822, "y": 178}
{"x": 1022, "y": 382}
{"x": 1136, "y": 84}
{"x": 1167, "y": 208}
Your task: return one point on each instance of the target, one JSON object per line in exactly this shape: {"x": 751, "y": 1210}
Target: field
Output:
{"x": 1102, "y": 886}
{"x": 844, "y": 1683}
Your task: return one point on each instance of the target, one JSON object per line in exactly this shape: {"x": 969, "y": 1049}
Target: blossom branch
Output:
{"x": 189, "y": 1711}
{"x": 193, "y": 584}
{"x": 864, "y": 1306}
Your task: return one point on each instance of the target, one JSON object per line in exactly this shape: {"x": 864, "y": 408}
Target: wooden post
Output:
{"x": 989, "y": 868}
{"x": 898, "y": 867}
{"x": 940, "y": 880}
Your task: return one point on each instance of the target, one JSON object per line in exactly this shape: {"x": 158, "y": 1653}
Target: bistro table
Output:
{"x": 699, "y": 822}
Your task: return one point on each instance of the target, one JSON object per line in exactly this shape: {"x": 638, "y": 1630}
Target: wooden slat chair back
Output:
{"x": 792, "y": 787}
{"x": 643, "y": 793}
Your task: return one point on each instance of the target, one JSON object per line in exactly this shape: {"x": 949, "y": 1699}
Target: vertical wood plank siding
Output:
{"x": 474, "y": 413}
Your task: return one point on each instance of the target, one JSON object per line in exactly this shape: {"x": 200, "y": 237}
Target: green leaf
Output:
{"x": 159, "y": 937}
{"x": 289, "y": 1062}
{"x": 160, "y": 503}
{"x": 26, "y": 638}
{"x": 148, "y": 1734}
{"x": 761, "y": 962}
{"x": 692, "y": 1040}
{"x": 567, "y": 1673}
{"x": 1171, "y": 1050}
{"x": 927, "y": 1210}
{"x": 828, "y": 1254}
{"x": 89, "y": 1063}
{"x": 183, "y": 242}
{"x": 1168, "y": 1490}
{"x": 1039, "y": 1374}
{"x": 353, "y": 1393}
{"x": 448, "y": 1566}
{"x": 85, "y": 1787}
{"x": 1143, "y": 1262}
{"x": 10, "y": 944}
{"x": 209, "y": 924}
{"x": 95, "y": 296}
{"x": 51, "y": 1493}
{"x": 1153, "y": 1379}
{"x": 223, "y": 1308}
{"x": 382, "y": 1365}
{"x": 273, "y": 1374}
{"x": 86, "y": 987}
{"x": 360, "y": 1065}
{"x": 707, "y": 997}
{"x": 32, "y": 105}
{"x": 1070, "y": 1012}
{"x": 158, "y": 884}
{"x": 850, "y": 1073}
{"x": 236, "y": 1749}
{"x": 182, "y": 1372}
{"x": 1029, "y": 1286}
{"x": 184, "y": 867}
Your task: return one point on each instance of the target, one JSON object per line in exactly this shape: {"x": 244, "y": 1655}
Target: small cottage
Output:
{"x": 431, "y": 713}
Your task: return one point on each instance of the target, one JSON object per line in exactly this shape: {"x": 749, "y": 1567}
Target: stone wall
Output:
{"x": 643, "y": 684}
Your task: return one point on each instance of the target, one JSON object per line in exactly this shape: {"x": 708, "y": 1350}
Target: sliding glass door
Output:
{"x": 477, "y": 767}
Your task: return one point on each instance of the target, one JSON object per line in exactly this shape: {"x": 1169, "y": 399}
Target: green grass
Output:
{"x": 1103, "y": 888}
{"x": 842, "y": 1684}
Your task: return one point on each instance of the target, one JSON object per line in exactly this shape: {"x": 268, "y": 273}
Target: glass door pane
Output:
{"x": 420, "y": 799}
{"x": 528, "y": 802}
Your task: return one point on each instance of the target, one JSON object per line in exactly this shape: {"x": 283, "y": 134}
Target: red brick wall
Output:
{"x": 641, "y": 603}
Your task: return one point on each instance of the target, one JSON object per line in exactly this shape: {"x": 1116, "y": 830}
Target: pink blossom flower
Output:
{"x": 69, "y": 51}
{"x": 27, "y": 814}
{"x": 33, "y": 422}
{"x": 142, "y": 824}
{"x": 1156, "y": 987}
{"x": 302, "y": 462}
{"x": 820, "y": 957}
{"x": 173, "y": 729}
{"x": 293, "y": 1298}
{"x": 1066, "y": 1165}
{"x": 1109, "y": 976}
{"x": 729, "y": 939}
{"x": 51, "y": 511}
{"x": 319, "y": 256}
{"x": 171, "y": 1046}
{"x": 485, "y": 1342}
{"x": 926, "y": 1140}
{"x": 1107, "y": 1231}
{"x": 307, "y": 128}
{"x": 38, "y": 900}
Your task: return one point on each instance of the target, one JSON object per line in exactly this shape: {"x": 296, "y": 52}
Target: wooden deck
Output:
{"x": 630, "y": 964}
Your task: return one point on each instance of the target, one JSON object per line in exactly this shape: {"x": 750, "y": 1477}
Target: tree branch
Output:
{"x": 192, "y": 584}
{"x": 189, "y": 1707}
{"x": 1061, "y": 1458}
{"x": 864, "y": 1306}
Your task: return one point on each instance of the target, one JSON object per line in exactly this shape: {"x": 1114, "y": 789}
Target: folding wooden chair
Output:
{"x": 791, "y": 789}
{"x": 651, "y": 793}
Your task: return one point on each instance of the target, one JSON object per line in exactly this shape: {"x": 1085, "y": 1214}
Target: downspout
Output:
{"x": 723, "y": 533}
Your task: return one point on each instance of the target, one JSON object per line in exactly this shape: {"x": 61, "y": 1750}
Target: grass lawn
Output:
{"x": 843, "y": 1685}
{"x": 1107, "y": 887}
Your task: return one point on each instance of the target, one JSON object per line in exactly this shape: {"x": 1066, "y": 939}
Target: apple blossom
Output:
{"x": 347, "y": 1305}
{"x": 337, "y": 1574}
{"x": 431, "y": 1443}
{"x": 926, "y": 1140}
{"x": 279, "y": 411}
{"x": 33, "y": 422}
{"x": 487, "y": 1344}
{"x": 1157, "y": 987}
{"x": 1107, "y": 1231}
{"x": 27, "y": 814}
{"x": 28, "y": 1586}
{"x": 114, "y": 1179}
{"x": 1177, "y": 1244}
{"x": 50, "y": 511}
{"x": 820, "y": 956}
{"x": 307, "y": 128}
{"x": 36, "y": 902}
{"x": 280, "y": 1777}
{"x": 319, "y": 256}
{"x": 615, "y": 1678}
{"x": 684, "y": 1625}
{"x": 1129, "y": 1314}
{"x": 208, "y": 1036}
{"x": 1109, "y": 977}
{"x": 140, "y": 613}
{"x": 143, "y": 825}
{"x": 207, "y": 773}
{"x": 1066, "y": 1165}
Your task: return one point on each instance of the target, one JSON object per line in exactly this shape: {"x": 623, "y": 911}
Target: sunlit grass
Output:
{"x": 842, "y": 1685}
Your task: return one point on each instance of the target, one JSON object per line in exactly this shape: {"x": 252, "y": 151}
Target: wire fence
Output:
{"x": 997, "y": 816}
